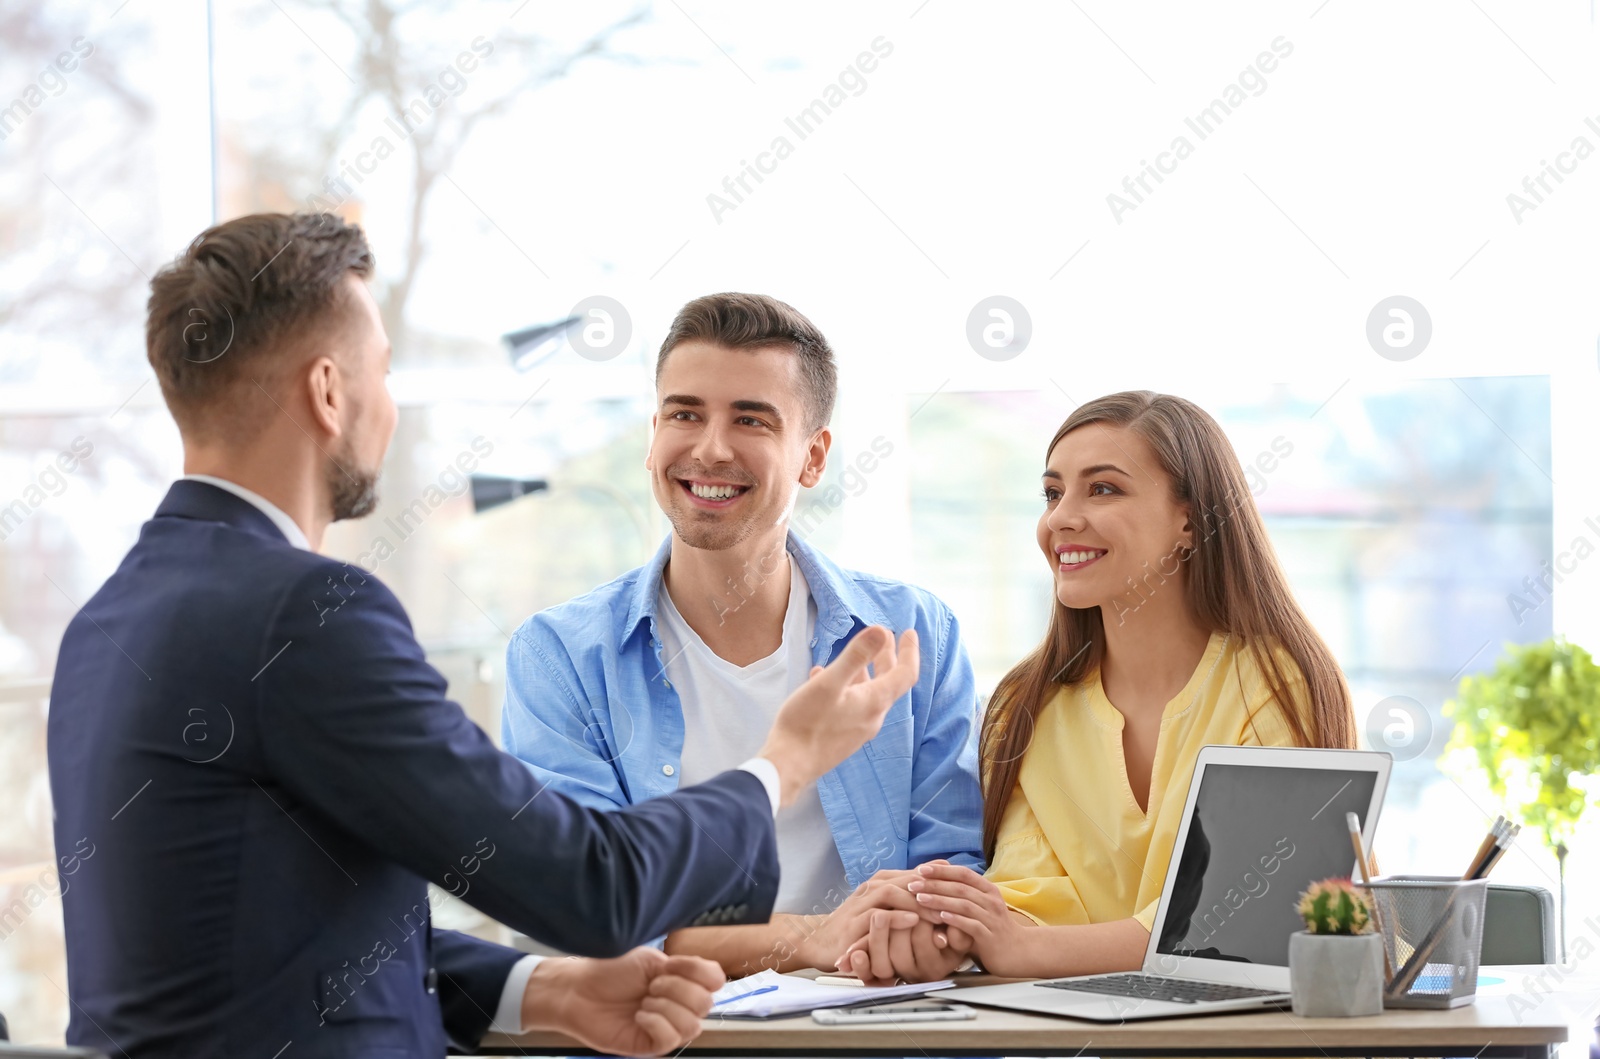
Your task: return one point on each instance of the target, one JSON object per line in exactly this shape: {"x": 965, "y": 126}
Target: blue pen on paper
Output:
{"x": 741, "y": 996}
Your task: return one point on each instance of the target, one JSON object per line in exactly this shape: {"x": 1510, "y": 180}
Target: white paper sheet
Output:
{"x": 795, "y": 995}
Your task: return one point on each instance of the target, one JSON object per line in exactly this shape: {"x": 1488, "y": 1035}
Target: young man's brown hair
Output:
{"x": 755, "y": 321}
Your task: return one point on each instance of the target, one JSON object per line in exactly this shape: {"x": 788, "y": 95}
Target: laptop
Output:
{"x": 1259, "y": 826}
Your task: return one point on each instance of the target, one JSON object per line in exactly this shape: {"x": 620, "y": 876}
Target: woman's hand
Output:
{"x": 905, "y": 947}
{"x": 975, "y": 918}
{"x": 972, "y": 906}
{"x": 828, "y": 935}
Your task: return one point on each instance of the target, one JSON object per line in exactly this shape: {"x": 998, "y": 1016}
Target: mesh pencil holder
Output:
{"x": 1433, "y": 933}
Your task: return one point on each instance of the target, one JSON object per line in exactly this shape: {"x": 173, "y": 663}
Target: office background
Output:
{"x": 889, "y": 169}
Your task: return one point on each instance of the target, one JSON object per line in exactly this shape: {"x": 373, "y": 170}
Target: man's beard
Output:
{"x": 697, "y": 530}
{"x": 703, "y": 529}
{"x": 354, "y": 491}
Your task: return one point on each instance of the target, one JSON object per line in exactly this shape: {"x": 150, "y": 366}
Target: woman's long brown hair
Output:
{"x": 1234, "y": 584}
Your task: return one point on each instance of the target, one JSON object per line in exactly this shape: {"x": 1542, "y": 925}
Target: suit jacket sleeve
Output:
{"x": 355, "y": 723}
{"x": 472, "y": 975}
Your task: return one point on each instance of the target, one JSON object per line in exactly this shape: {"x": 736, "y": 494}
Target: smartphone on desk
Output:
{"x": 866, "y": 1016}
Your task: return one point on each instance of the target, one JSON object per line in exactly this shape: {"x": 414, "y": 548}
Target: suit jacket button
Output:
{"x": 431, "y": 981}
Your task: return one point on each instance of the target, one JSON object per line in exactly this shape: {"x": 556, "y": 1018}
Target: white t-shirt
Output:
{"x": 727, "y": 712}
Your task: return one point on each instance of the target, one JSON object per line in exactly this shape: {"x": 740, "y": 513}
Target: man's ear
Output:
{"x": 325, "y": 396}
{"x": 650, "y": 443}
{"x": 816, "y": 458}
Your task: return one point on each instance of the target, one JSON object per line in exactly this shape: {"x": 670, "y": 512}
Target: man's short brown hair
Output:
{"x": 755, "y": 321}
{"x": 227, "y": 312}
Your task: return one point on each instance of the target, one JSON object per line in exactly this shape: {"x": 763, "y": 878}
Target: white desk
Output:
{"x": 1505, "y": 1020}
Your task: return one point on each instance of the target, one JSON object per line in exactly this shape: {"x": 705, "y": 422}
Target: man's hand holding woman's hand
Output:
{"x": 958, "y": 913}
{"x": 903, "y": 946}
{"x": 829, "y": 935}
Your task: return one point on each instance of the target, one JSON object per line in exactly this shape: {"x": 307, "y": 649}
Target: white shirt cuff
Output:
{"x": 508, "y": 1016}
{"x": 767, "y": 773}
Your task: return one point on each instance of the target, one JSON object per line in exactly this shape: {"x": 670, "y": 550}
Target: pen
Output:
{"x": 741, "y": 996}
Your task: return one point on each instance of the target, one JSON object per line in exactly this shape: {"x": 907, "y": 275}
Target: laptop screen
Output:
{"x": 1259, "y": 836}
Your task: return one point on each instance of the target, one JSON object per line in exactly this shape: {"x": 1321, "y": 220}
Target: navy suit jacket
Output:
{"x": 255, "y": 770}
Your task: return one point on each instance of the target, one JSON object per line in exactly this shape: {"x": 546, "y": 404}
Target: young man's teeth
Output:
{"x": 713, "y": 492}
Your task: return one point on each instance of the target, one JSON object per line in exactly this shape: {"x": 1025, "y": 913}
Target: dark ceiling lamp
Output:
{"x": 491, "y": 491}
{"x": 534, "y": 345}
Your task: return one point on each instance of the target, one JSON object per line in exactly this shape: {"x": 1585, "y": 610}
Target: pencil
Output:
{"x": 1354, "y": 824}
{"x": 1484, "y": 847}
{"x": 1501, "y": 832}
{"x": 1489, "y": 852}
{"x": 1504, "y": 845}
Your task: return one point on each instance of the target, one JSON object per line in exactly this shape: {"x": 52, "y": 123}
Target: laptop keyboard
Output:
{"x": 1160, "y": 987}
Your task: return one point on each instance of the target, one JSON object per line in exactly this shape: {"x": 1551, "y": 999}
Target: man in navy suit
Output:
{"x": 260, "y": 771}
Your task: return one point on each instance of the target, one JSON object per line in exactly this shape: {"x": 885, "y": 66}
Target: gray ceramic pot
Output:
{"x": 1335, "y": 975}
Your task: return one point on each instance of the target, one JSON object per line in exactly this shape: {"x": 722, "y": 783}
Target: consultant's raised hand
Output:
{"x": 840, "y": 707}
{"x": 642, "y": 1003}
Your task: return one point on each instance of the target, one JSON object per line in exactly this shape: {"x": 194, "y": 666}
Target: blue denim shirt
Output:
{"x": 591, "y": 711}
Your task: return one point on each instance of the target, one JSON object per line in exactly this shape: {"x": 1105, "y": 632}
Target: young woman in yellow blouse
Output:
{"x": 1173, "y": 627}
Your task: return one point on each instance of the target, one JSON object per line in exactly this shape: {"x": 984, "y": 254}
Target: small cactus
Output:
{"x": 1334, "y": 906}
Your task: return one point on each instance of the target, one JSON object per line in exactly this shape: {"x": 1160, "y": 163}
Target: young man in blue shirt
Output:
{"x": 672, "y": 672}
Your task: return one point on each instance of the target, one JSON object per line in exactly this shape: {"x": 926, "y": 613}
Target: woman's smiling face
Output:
{"x": 1111, "y": 529}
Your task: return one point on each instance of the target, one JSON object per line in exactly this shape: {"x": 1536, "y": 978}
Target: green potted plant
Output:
{"x": 1336, "y": 963}
{"x": 1533, "y": 725}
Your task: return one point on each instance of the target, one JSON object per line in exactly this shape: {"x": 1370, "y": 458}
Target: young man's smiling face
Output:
{"x": 732, "y": 445}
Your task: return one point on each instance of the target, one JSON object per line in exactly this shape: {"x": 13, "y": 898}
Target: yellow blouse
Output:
{"x": 1073, "y": 845}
